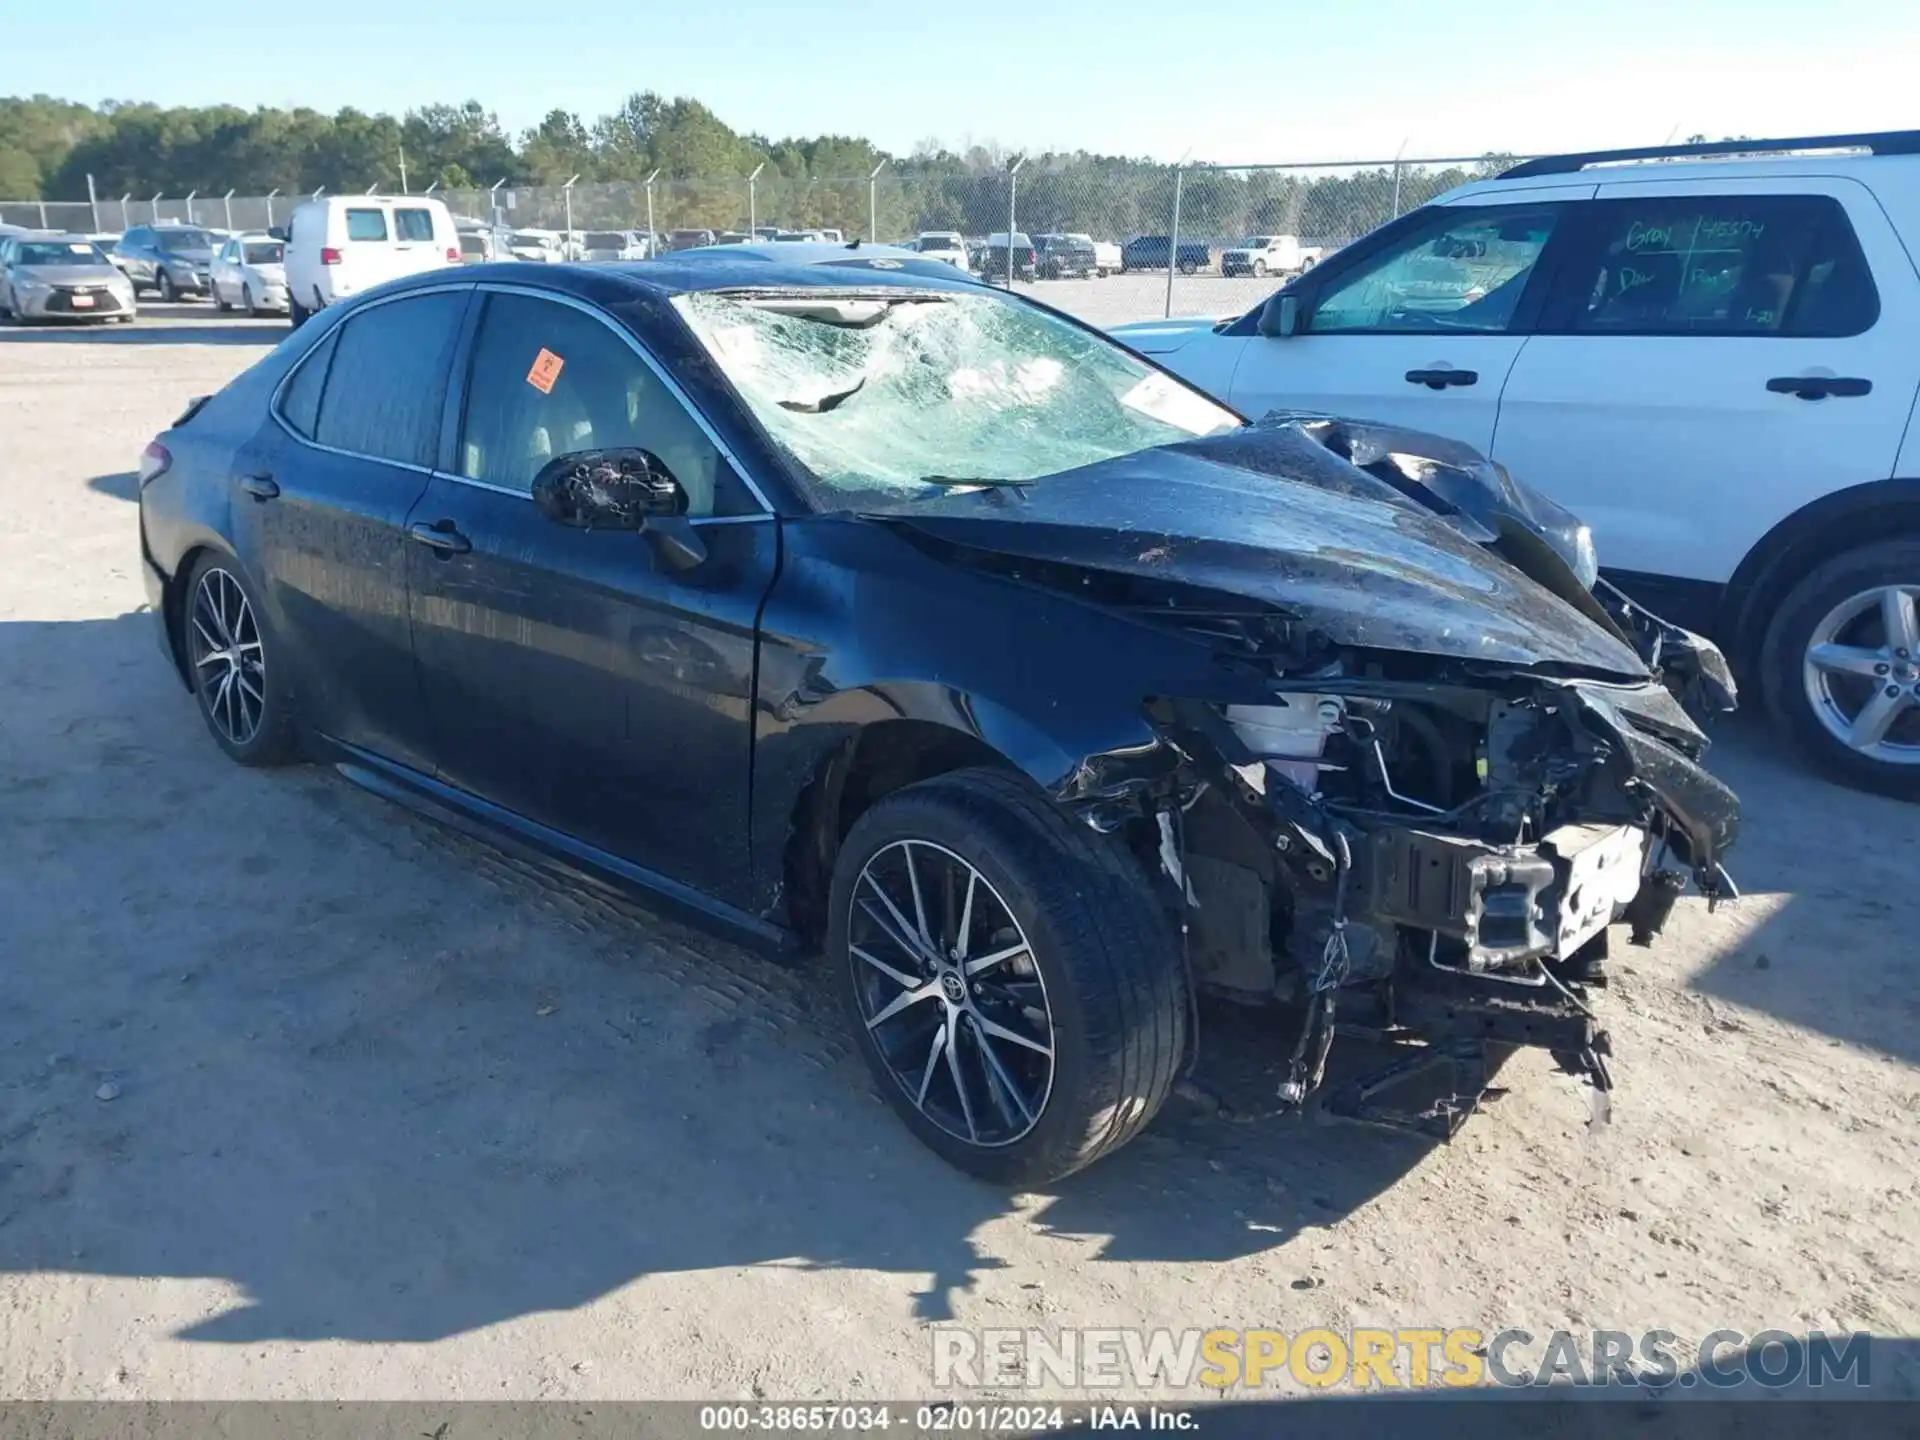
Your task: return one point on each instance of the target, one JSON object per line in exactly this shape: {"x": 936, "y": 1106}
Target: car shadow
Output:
{"x": 395, "y": 1084}
{"x": 1835, "y": 952}
{"x": 123, "y": 485}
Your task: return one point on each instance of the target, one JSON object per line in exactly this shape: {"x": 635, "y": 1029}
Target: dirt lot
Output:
{"x": 301, "y": 1096}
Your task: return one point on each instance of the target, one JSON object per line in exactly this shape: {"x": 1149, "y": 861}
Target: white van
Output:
{"x": 340, "y": 245}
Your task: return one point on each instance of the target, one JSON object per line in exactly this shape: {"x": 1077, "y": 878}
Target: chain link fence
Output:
{"x": 1111, "y": 241}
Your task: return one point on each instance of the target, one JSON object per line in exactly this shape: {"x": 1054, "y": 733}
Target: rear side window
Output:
{"x": 366, "y": 225}
{"x": 412, "y": 224}
{"x": 389, "y": 377}
{"x": 300, "y": 401}
{"x": 1717, "y": 265}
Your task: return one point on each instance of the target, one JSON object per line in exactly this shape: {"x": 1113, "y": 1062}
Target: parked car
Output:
{"x": 171, "y": 260}
{"x": 687, "y": 239}
{"x": 340, "y": 245}
{"x": 479, "y": 247}
{"x": 1150, "y": 252}
{"x": 1106, "y": 253}
{"x": 540, "y": 247}
{"x": 1213, "y": 678}
{"x": 615, "y": 245}
{"x": 1263, "y": 255}
{"x": 856, "y": 256}
{"x": 994, "y": 261}
{"x": 250, "y": 272}
{"x": 105, "y": 242}
{"x": 944, "y": 245}
{"x": 1064, "y": 257}
{"x": 64, "y": 277}
{"x": 1711, "y": 361}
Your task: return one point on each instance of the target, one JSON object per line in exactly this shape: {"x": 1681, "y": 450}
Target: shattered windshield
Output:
{"x": 903, "y": 394}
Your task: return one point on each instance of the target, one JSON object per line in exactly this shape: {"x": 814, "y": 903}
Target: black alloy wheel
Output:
{"x": 1009, "y": 974}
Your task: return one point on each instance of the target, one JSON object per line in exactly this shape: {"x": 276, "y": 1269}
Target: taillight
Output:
{"x": 329, "y": 256}
{"x": 453, "y": 255}
{"x": 154, "y": 462}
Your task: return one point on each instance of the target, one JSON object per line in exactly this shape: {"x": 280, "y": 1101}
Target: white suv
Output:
{"x": 1710, "y": 353}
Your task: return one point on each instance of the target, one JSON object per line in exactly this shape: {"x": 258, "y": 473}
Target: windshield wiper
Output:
{"x": 825, "y": 402}
{"x": 985, "y": 482}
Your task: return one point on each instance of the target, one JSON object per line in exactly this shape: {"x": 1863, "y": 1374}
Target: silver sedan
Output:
{"x": 61, "y": 277}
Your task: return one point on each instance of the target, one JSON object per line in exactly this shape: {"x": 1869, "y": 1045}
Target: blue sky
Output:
{"x": 1321, "y": 80}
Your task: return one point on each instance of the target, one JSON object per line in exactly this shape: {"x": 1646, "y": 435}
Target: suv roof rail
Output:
{"x": 1886, "y": 142}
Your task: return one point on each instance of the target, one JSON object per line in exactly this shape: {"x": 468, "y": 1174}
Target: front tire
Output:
{"x": 239, "y": 684}
{"x": 1010, "y": 976}
{"x": 169, "y": 293}
{"x": 1840, "y": 666}
{"x": 1259, "y": 269}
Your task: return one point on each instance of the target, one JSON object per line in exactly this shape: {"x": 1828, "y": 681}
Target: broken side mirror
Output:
{"x": 1280, "y": 316}
{"x": 607, "y": 490}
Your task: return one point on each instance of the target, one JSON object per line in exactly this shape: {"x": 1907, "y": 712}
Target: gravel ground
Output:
{"x": 301, "y": 1096}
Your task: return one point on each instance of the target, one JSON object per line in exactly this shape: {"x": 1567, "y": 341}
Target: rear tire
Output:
{"x": 236, "y": 670}
{"x": 252, "y": 305}
{"x": 1092, "y": 952}
{"x": 1841, "y": 608}
{"x": 297, "y": 314}
{"x": 1259, "y": 269}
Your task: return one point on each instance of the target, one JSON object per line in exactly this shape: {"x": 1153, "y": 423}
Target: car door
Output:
{"x": 223, "y": 278}
{"x": 571, "y": 676}
{"x": 320, "y": 502}
{"x": 415, "y": 247}
{"x": 1419, "y": 326}
{"x": 1717, "y": 354}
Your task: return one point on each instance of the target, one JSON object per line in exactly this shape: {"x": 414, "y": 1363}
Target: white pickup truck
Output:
{"x": 1106, "y": 253}
{"x": 1261, "y": 255}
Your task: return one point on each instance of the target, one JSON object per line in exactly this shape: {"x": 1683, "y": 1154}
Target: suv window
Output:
{"x": 366, "y": 225}
{"x": 1716, "y": 265}
{"x": 1463, "y": 269}
{"x": 413, "y": 224}
{"x": 548, "y": 380}
{"x": 139, "y": 235}
{"x": 383, "y": 397}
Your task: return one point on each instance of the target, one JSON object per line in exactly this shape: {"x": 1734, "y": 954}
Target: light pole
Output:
{"x": 653, "y": 240}
{"x": 270, "y": 194}
{"x": 566, "y": 191}
{"x": 226, "y": 202}
{"x": 156, "y": 207}
{"x": 1396, "y": 177}
{"x": 93, "y": 205}
{"x": 753, "y": 213}
{"x": 873, "y": 204}
{"x": 493, "y": 200}
{"x": 1013, "y": 185}
{"x": 125, "y": 223}
{"x": 190, "y": 195}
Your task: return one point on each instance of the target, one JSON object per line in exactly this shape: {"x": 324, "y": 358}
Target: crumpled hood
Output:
{"x": 1162, "y": 337}
{"x": 1270, "y": 515}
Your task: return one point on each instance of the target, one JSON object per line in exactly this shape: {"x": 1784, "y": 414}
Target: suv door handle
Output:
{"x": 1441, "y": 379}
{"x": 1818, "y": 387}
{"x": 440, "y": 536}
{"x": 261, "y": 487}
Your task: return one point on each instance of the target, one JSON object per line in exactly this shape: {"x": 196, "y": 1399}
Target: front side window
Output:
{"x": 388, "y": 378}
{"x": 1464, "y": 270}
{"x": 176, "y": 241}
{"x": 548, "y": 380}
{"x": 366, "y": 225}
{"x": 1719, "y": 265}
{"x": 904, "y": 394}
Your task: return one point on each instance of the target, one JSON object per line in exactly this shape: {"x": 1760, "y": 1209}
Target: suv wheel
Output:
{"x": 168, "y": 293}
{"x": 1010, "y": 976}
{"x": 1841, "y": 667}
{"x": 1259, "y": 269}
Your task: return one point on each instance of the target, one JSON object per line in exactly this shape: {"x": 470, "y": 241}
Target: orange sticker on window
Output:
{"x": 546, "y": 369}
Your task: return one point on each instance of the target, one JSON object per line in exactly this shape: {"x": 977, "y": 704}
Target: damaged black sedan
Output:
{"x": 925, "y": 626}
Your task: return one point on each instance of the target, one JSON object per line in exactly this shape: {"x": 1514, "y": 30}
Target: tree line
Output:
{"x": 48, "y": 148}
